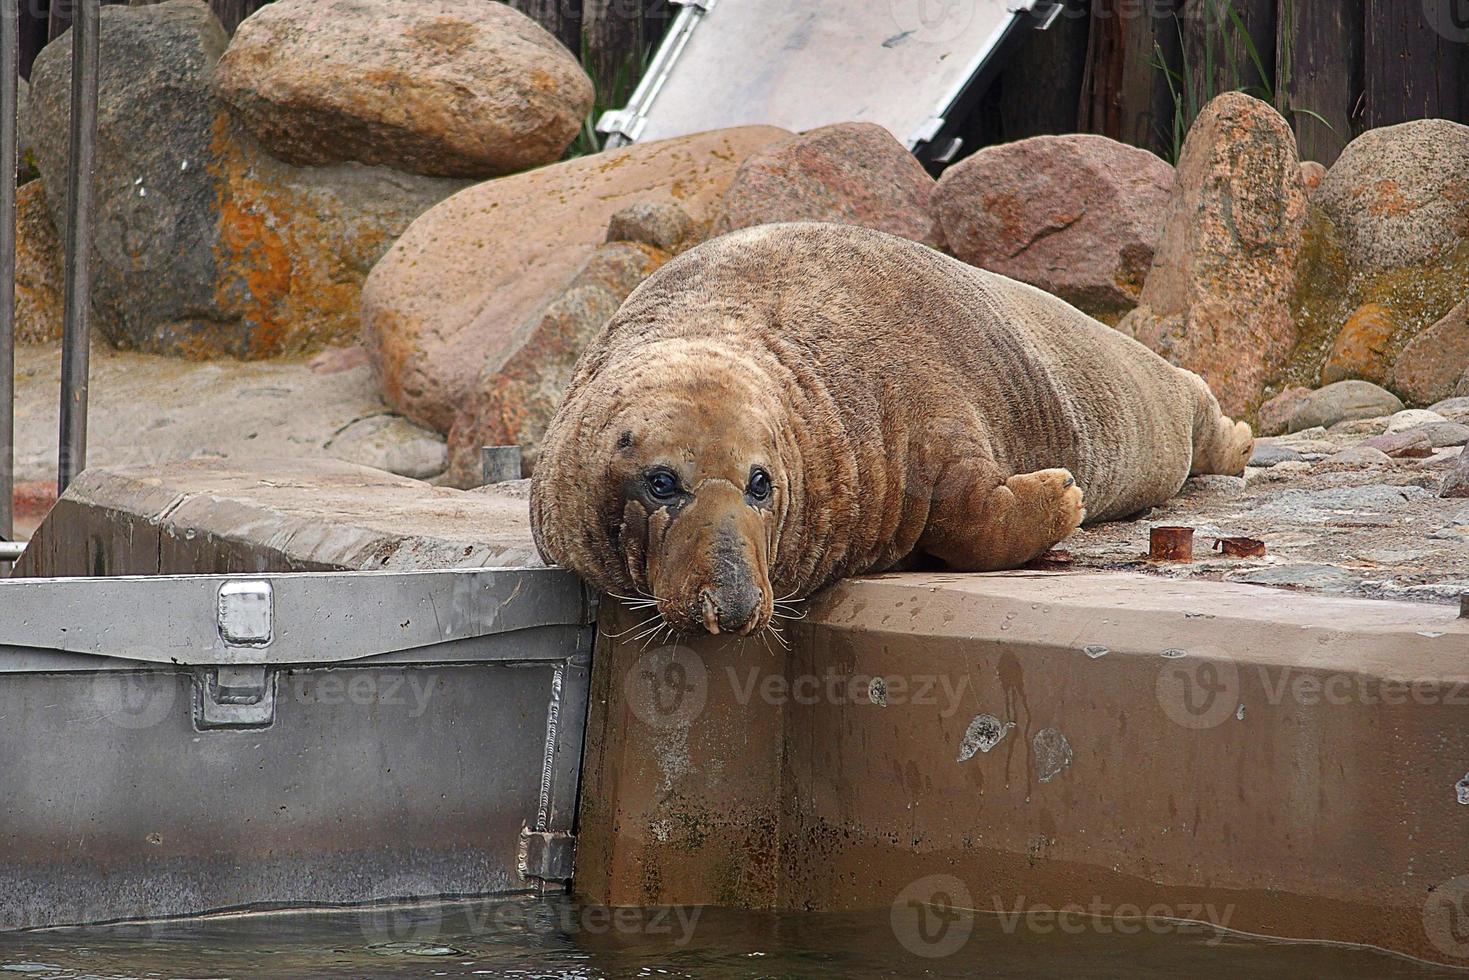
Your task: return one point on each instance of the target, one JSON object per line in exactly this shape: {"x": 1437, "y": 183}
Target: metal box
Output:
{"x": 177, "y": 745}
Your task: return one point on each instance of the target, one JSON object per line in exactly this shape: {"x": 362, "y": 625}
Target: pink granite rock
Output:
{"x": 850, "y": 173}
{"x": 1078, "y": 216}
{"x": 1217, "y": 300}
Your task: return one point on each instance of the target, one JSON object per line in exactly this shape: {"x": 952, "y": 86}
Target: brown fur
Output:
{"x": 903, "y": 403}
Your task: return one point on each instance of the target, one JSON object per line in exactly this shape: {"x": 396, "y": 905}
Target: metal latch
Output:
{"x": 548, "y": 855}
{"x": 241, "y": 696}
{"x": 245, "y": 613}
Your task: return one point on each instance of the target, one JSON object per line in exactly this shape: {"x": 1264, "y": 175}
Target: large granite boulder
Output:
{"x": 1217, "y": 300}
{"x": 1079, "y": 216}
{"x": 1433, "y": 362}
{"x": 849, "y": 173}
{"x": 467, "y": 275}
{"x": 204, "y": 244}
{"x": 449, "y": 88}
{"x": 38, "y": 269}
{"x": 1388, "y": 226}
{"x": 294, "y": 246}
{"x": 521, "y": 386}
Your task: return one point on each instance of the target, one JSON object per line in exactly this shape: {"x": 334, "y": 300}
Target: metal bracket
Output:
{"x": 625, "y": 125}
{"x": 245, "y": 613}
{"x": 1046, "y": 16}
{"x": 233, "y": 697}
{"x": 547, "y": 855}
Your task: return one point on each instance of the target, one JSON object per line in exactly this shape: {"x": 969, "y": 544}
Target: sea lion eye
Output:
{"x": 759, "y": 486}
{"x": 662, "y": 484}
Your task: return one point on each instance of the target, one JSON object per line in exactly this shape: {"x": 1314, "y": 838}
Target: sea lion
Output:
{"x": 790, "y": 404}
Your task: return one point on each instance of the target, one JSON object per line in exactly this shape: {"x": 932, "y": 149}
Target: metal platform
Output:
{"x": 913, "y": 66}
{"x": 178, "y": 745}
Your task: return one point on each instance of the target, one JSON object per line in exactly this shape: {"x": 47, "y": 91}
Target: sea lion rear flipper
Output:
{"x": 990, "y": 528}
{"x": 1221, "y": 445}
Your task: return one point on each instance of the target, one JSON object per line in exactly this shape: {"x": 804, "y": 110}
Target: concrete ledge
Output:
{"x": 277, "y": 515}
{"x": 1297, "y": 764}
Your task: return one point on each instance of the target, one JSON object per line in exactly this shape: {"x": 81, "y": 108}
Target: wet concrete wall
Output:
{"x": 1275, "y": 763}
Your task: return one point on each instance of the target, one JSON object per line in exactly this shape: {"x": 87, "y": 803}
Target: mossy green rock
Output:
{"x": 1388, "y": 226}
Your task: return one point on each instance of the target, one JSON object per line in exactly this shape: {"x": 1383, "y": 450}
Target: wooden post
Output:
{"x": 612, "y": 46}
{"x": 35, "y": 31}
{"x": 1125, "y": 91}
{"x": 1041, "y": 87}
{"x": 1218, "y": 54}
{"x": 231, "y": 12}
{"x": 1319, "y": 68}
{"x": 1416, "y": 61}
{"x": 561, "y": 17}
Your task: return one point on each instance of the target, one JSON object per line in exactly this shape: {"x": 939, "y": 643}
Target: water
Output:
{"x": 531, "y": 938}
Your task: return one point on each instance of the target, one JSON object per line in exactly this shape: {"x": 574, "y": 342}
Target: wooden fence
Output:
{"x": 1135, "y": 70}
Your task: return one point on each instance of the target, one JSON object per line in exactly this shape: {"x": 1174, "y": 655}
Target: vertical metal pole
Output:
{"x": 9, "y": 84}
{"x": 76, "y": 330}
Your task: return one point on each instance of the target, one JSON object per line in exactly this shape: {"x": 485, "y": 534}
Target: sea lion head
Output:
{"x": 669, "y": 474}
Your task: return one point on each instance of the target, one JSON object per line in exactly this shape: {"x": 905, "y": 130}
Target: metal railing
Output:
{"x": 76, "y": 329}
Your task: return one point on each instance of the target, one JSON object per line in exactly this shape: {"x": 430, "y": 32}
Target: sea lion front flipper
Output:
{"x": 1004, "y": 526}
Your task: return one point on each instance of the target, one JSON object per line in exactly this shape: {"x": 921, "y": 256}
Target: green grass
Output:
{"x": 1227, "y": 42}
{"x": 612, "y": 95}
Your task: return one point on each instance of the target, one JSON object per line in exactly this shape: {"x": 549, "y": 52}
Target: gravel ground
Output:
{"x": 1341, "y": 527}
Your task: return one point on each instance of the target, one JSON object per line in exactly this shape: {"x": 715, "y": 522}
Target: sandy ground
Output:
{"x": 146, "y": 410}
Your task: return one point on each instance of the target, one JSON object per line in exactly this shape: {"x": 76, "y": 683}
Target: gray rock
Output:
{"x": 25, "y": 146}
{"x": 1444, "y": 434}
{"x": 1322, "y": 578}
{"x": 1311, "y": 506}
{"x": 1268, "y": 452}
{"x": 656, "y": 223}
{"x": 391, "y": 443}
{"x": 1312, "y": 448}
{"x": 1343, "y": 400}
{"x": 204, "y": 244}
{"x": 1456, "y": 484}
{"x": 1361, "y": 427}
{"x": 1413, "y": 443}
{"x": 155, "y": 200}
{"x": 1412, "y": 418}
{"x": 1393, "y": 556}
{"x": 1214, "y": 484}
{"x": 1358, "y": 457}
{"x": 1274, "y": 414}
{"x": 1454, "y": 409}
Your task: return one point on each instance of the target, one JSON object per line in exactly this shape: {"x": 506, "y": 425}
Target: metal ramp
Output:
{"x": 184, "y": 744}
{"x": 913, "y": 66}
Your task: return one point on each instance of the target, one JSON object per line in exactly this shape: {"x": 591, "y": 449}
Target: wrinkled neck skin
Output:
{"x": 709, "y": 409}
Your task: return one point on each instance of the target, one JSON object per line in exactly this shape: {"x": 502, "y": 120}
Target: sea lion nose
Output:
{"x": 730, "y": 610}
